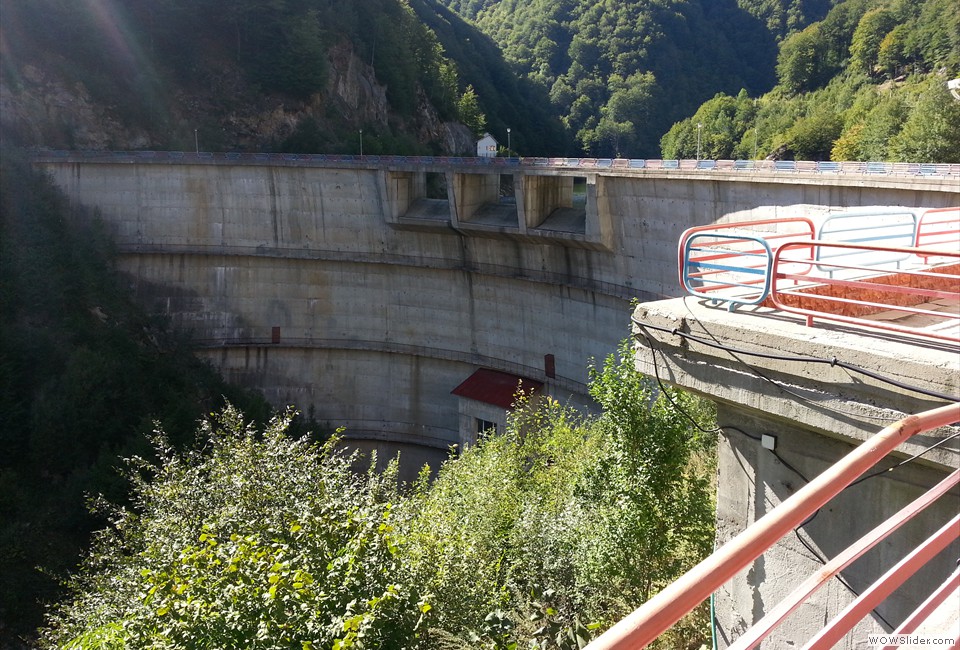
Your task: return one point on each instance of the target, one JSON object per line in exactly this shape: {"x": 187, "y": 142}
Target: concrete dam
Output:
{"x": 386, "y": 296}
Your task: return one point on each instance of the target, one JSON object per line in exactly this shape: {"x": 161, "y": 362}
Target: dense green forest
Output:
{"x": 504, "y": 98}
{"x": 620, "y": 74}
{"x": 84, "y": 374}
{"x": 832, "y": 79}
{"x": 816, "y": 79}
{"x": 868, "y": 82}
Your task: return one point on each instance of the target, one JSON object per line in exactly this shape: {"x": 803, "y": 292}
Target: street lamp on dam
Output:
{"x": 699, "y": 128}
{"x": 509, "y": 148}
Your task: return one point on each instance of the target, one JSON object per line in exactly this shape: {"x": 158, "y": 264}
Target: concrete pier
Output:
{"x": 779, "y": 383}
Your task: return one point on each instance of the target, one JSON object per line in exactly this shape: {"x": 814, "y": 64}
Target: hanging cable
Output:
{"x": 781, "y": 357}
{"x": 907, "y": 460}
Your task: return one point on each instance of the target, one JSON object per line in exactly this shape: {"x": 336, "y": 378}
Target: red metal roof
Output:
{"x": 494, "y": 387}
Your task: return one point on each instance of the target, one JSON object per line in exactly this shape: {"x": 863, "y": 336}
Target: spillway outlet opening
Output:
{"x": 436, "y": 185}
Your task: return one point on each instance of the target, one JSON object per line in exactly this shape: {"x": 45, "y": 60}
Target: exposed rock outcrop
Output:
{"x": 43, "y": 109}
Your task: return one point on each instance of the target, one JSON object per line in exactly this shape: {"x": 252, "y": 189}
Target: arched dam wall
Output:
{"x": 351, "y": 292}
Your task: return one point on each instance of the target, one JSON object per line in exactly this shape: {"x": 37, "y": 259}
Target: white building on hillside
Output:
{"x": 487, "y": 146}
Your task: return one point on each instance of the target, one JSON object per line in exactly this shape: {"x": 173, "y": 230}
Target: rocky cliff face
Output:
{"x": 44, "y": 109}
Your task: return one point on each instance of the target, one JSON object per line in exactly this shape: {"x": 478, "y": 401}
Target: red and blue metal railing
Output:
{"x": 779, "y": 263}
{"x": 732, "y": 262}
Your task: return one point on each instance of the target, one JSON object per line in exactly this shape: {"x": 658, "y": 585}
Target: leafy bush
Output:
{"x": 537, "y": 538}
{"x": 252, "y": 542}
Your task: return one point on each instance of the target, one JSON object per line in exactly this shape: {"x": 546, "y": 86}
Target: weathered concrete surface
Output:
{"x": 632, "y": 226}
{"x": 817, "y": 412}
{"x": 383, "y": 300}
{"x": 472, "y": 192}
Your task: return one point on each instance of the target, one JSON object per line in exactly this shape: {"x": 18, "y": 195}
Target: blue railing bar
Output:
{"x": 750, "y": 270}
{"x": 698, "y": 249}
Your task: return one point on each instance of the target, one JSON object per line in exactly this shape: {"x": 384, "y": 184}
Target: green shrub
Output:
{"x": 536, "y": 538}
{"x": 565, "y": 524}
{"x": 252, "y": 542}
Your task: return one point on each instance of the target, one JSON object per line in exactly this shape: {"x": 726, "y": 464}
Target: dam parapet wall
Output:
{"x": 364, "y": 294}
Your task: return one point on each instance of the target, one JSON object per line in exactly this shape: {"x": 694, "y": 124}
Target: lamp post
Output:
{"x": 509, "y": 148}
{"x": 361, "y": 142}
{"x": 699, "y": 127}
{"x": 756, "y": 128}
{"x": 196, "y": 140}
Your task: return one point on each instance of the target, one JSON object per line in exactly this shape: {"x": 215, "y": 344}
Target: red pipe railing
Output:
{"x": 848, "y": 292}
{"x": 655, "y": 616}
{"x": 836, "y": 629}
{"x": 774, "y": 617}
{"x": 929, "y": 606}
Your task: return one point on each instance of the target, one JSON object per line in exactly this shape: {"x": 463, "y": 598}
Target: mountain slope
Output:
{"x": 507, "y": 99}
{"x": 867, "y": 82}
{"x": 267, "y": 75}
{"x": 620, "y": 74}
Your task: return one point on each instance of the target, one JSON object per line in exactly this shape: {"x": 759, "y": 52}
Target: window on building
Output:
{"x": 485, "y": 428}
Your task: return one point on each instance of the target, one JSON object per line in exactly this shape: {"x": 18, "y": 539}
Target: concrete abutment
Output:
{"x": 775, "y": 386}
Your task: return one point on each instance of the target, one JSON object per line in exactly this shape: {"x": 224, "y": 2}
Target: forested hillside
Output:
{"x": 620, "y": 74}
{"x": 84, "y": 375}
{"x": 868, "y": 82}
{"x": 813, "y": 79}
{"x": 284, "y": 75}
{"x": 858, "y": 79}
{"x": 506, "y": 99}
{"x": 783, "y": 17}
